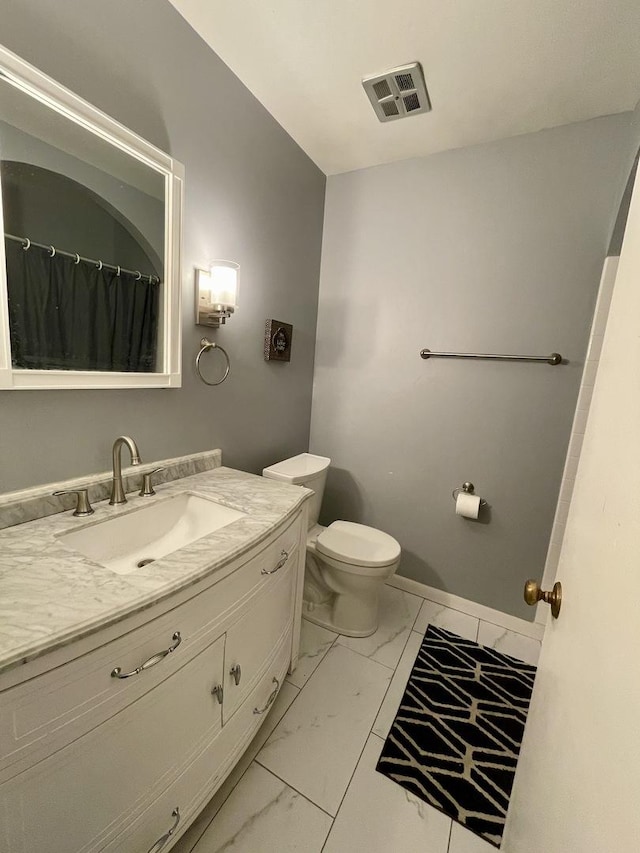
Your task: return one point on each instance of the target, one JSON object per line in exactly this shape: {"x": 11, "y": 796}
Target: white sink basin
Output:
{"x": 128, "y": 542}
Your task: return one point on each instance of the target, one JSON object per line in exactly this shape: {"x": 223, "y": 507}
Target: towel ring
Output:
{"x": 206, "y": 344}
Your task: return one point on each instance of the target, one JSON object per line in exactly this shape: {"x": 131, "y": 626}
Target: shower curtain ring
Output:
{"x": 139, "y": 276}
{"x": 118, "y": 272}
{"x": 99, "y": 265}
{"x": 52, "y": 251}
{"x": 27, "y": 244}
{"x": 77, "y": 260}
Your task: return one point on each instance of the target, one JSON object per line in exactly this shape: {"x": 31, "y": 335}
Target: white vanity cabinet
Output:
{"x": 90, "y": 761}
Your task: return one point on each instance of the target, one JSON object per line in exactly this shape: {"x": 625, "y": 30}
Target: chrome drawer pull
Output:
{"x": 284, "y": 556}
{"x": 236, "y": 672}
{"x": 270, "y": 700}
{"x": 152, "y": 661}
{"x": 159, "y": 844}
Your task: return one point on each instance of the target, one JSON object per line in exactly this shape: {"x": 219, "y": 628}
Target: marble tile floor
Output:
{"x": 307, "y": 782}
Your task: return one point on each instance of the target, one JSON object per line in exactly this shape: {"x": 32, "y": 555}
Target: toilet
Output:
{"x": 346, "y": 563}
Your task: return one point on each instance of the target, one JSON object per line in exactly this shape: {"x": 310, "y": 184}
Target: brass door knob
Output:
{"x": 533, "y": 594}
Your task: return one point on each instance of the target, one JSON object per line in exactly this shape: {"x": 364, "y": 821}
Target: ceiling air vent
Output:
{"x": 398, "y": 93}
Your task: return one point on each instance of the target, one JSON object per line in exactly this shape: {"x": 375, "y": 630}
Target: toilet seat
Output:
{"x": 360, "y": 549}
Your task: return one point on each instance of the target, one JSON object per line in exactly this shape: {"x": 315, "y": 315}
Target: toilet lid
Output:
{"x": 358, "y": 544}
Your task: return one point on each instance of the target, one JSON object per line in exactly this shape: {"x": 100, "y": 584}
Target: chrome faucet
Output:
{"x": 117, "y": 490}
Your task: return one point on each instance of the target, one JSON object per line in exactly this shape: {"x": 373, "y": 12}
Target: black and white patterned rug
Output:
{"x": 457, "y": 734}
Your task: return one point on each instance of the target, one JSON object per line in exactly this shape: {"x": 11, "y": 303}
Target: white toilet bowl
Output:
{"x": 346, "y": 564}
{"x": 346, "y": 567}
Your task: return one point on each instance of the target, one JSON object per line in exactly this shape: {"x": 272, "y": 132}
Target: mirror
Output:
{"x": 89, "y": 263}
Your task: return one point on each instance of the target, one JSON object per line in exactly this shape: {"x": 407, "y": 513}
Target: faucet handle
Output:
{"x": 83, "y": 507}
{"x": 147, "y": 489}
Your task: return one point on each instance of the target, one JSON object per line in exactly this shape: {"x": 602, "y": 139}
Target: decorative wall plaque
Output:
{"x": 277, "y": 341}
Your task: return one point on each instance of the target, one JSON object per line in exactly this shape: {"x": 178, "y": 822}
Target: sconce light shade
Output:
{"x": 216, "y": 293}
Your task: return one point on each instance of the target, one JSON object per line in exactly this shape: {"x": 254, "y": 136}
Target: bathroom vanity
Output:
{"x": 126, "y": 697}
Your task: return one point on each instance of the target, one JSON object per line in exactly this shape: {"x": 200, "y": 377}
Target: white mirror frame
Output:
{"x": 57, "y": 97}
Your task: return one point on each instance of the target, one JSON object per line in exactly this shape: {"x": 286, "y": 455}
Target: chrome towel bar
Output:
{"x": 553, "y": 359}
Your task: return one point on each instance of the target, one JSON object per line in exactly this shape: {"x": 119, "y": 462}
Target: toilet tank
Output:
{"x": 305, "y": 469}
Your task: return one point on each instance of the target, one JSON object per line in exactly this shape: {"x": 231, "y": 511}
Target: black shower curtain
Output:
{"x": 68, "y": 316}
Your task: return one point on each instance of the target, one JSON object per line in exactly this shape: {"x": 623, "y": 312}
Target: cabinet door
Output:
{"x": 81, "y": 797}
{"x": 252, "y": 639}
{"x": 45, "y": 713}
{"x": 182, "y": 801}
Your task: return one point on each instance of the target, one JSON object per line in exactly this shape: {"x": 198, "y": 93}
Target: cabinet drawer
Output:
{"x": 253, "y": 636}
{"x": 48, "y": 712}
{"x": 206, "y": 773}
{"x": 78, "y": 798}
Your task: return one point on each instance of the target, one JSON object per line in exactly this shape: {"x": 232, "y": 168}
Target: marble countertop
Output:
{"x": 51, "y": 595}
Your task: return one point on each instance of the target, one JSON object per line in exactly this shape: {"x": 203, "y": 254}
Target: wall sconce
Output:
{"x": 216, "y": 293}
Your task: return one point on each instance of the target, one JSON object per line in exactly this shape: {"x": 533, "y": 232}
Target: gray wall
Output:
{"x": 139, "y": 209}
{"x": 496, "y": 248}
{"x": 52, "y": 209}
{"x": 252, "y": 195}
{"x": 615, "y": 245}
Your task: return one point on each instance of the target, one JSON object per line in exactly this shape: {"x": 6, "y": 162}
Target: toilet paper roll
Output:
{"x": 467, "y": 505}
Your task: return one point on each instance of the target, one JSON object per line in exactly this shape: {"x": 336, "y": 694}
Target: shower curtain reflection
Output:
{"x": 65, "y": 315}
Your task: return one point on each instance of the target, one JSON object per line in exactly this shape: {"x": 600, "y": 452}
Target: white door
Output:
{"x": 577, "y": 788}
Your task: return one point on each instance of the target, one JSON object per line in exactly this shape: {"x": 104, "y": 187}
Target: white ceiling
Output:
{"x": 494, "y": 68}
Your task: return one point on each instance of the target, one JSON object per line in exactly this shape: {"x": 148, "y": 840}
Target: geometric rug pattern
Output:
{"x": 457, "y": 734}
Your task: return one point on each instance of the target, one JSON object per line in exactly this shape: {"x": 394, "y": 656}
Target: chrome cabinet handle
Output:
{"x": 236, "y": 672}
{"x": 152, "y": 661}
{"x": 271, "y": 699}
{"x": 284, "y": 556}
{"x": 159, "y": 844}
{"x": 218, "y": 692}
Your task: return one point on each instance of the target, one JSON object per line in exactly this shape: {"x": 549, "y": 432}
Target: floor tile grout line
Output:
{"x": 346, "y": 791}
{"x": 333, "y": 644}
{"x": 209, "y": 822}
{"x": 198, "y": 839}
{"x": 511, "y": 631}
{"x": 393, "y": 669}
{"x": 201, "y": 836}
{"x": 450, "y": 834}
{"x": 383, "y": 740}
{"x": 289, "y": 785}
{"x": 299, "y": 691}
{"x": 420, "y": 599}
{"x": 242, "y": 775}
{"x": 371, "y": 732}
{"x": 417, "y": 614}
{"x": 336, "y": 641}
{"x": 465, "y": 613}
{"x": 366, "y": 657}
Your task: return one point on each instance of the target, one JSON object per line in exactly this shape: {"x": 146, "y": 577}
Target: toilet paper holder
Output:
{"x": 469, "y": 488}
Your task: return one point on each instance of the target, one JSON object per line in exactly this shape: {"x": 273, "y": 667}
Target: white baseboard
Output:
{"x": 472, "y": 608}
